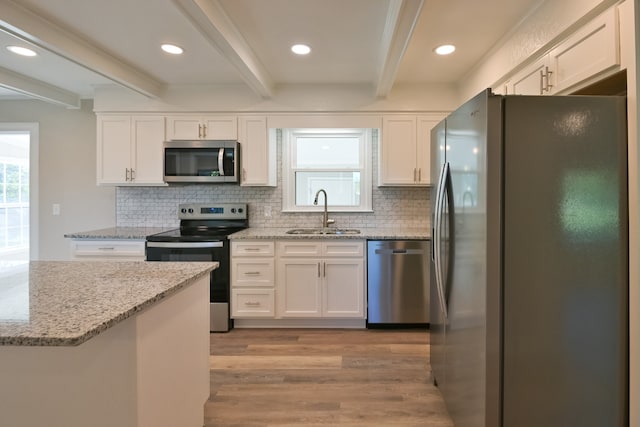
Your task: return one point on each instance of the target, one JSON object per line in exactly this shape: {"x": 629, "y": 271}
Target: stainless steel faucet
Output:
{"x": 325, "y": 218}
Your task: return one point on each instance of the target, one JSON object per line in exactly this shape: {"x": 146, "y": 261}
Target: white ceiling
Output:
{"x": 84, "y": 43}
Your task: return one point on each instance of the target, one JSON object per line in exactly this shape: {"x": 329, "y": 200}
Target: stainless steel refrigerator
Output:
{"x": 529, "y": 274}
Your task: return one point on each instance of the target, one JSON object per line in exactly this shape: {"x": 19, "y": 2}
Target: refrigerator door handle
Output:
{"x": 440, "y": 194}
{"x": 448, "y": 195}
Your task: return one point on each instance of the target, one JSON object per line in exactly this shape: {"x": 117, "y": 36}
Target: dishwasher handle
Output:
{"x": 399, "y": 252}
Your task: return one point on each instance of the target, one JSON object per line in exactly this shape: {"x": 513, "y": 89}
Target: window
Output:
{"x": 336, "y": 160}
{"x": 14, "y": 193}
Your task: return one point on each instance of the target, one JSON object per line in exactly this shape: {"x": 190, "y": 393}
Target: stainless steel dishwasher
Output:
{"x": 398, "y": 282}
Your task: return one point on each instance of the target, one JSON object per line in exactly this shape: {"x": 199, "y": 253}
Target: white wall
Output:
{"x": 67, "y": 172}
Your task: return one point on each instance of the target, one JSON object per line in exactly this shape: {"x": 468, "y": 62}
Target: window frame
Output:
{"x": 289, "y": 169}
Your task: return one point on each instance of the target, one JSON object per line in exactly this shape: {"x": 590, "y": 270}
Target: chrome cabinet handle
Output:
{"x": 252, "y": 273}
{"x": 107, "y": 248}
{"x": 126, "y": 175}
{"x": 199, "y": 131}
{"x": 133, "y": 174}
{"x": 545, "y": 77}
{"x": 541, "y": 80}
{"x": 419, "y": 174}
{"x": 252, "y": 303}
{"x": 318, "y": 269}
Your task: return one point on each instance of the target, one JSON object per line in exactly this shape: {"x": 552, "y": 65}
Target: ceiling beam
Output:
{"x": 27, "y": 25}
{"x": 37, "y": 89}
{"x": 213, "y": 22}
{"x": 401, "y": 20}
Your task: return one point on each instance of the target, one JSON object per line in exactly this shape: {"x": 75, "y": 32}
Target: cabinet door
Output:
{"x": 529, "y": 81}
{"x": 184, "y": 127}
{"x": 299, "y": 290}
{"x": 113, "y": 149}
{"x": 591, "y": 50}
{"x": 147, "y": 164}
{"x": 258, "y": 155}
{"x": 398, "y": 151}
{"x": 423, "y": 146}
{"x": 220, "y": 127}
{"x": 343, "y": 290}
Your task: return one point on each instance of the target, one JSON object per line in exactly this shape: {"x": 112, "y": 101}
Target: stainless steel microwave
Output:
{"x": 201, "y": 161}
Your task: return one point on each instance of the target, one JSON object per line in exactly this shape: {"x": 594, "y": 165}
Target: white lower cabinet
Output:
{"x": 252, "y": 279}
{"x": 320, "y": 279}
{"x": 107, "y": 250}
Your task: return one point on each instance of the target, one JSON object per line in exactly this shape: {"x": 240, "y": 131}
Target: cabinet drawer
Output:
{"x": 252, "y": 303}
{"x": 351, "y": 248}
{"x": 252, "y": 272}
{"x": 320, "y": 248}
{"x": 253, "y": 248}
{"x": 107, "y": 249}
{"x": 299, "y": 248}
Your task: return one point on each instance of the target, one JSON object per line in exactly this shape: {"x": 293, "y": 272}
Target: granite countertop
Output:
{"x": 390, "y": 233}
{"x": 65, "y": 303}
{"x": 115, "y": 233}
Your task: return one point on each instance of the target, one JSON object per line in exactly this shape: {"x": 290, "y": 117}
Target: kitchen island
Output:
{"x": 104, "y": 344}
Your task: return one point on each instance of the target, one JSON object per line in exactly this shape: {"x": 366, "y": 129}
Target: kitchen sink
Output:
{"x": 336, "y": 231}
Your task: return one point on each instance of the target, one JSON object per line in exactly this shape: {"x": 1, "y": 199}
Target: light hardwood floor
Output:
{"x": 285, "y": 377}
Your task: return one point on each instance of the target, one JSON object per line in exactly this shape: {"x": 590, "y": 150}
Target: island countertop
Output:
{"x": 116, "y": 233}
{"x": 65, "y": 303}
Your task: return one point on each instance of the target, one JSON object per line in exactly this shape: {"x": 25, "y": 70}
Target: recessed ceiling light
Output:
{"x": 172, "y": 49}
{"x": 300, "y": 49}
{"x": 445, "y": 49}
{"x": 21, "y": 51}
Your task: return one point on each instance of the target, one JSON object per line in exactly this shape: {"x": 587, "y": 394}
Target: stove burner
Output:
{"x": 206, "y": 223}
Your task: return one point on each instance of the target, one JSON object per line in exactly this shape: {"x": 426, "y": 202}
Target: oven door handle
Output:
{"x": 187, "y": 245}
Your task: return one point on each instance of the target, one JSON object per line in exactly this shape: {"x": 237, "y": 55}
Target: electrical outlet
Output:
{"x": 56, "y": 209}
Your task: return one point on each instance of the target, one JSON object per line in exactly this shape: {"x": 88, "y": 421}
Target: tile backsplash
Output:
{"x": 158, "y": 206}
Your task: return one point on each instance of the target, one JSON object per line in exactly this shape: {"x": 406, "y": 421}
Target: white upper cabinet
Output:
{"x": 531, "y": 80}
{"x": 258, "y": 152}
{"x": 129, "y": 150}
{"x": 404, "y": 150}
{"x": 202, "y": 127}
{"x": 591, "y": 51}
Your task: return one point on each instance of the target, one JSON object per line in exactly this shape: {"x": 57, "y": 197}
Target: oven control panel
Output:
{"x": 212, "y": 211}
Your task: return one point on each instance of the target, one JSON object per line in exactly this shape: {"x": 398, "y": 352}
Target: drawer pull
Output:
{"x": 252, "y": 273}
{"x": 252, "y": 304}
{"x": 251, "y": 249}
{"x": 107, "y": 248}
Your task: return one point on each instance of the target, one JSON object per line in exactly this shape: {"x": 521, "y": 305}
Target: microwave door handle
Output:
{"x": 221, "y": 161}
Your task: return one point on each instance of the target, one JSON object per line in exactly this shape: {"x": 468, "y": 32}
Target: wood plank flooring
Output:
{"x": 309, "y": 377}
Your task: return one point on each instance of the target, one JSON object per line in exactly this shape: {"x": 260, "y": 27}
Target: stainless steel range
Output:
{"x": 203, "y": 236}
